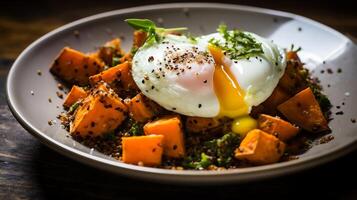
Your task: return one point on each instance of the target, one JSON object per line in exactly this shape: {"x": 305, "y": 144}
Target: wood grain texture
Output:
{"x": 22, "y": 22}
{"x": 29, "y": 170}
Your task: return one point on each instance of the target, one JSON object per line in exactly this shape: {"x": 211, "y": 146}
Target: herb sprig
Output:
{"x": 155, "y": 34}
{"x": 238, "y": 45}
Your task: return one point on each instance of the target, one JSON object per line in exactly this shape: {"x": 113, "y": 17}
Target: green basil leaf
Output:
{"x": 141, "y": 24}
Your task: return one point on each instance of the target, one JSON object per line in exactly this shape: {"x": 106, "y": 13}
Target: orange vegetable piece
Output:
{"x": 75, "y": 67}
{"x": 126, "y": 57}
{"x": 292, "y": 55}
{"x": 101, "y": 112}
{"x": 199, "y": 124}
{"x": 109, "y": 50}
{"x": 140, "y": 108}
{"x": 170, "y": 128}
{"x": 277, "y": 127}
{"x": 118, "y": 77}
{"x": 145, "y": 149}
{"x": 74, "y": 95}
{"x": 304, "y": 111}
{"x": 139, "y": 38}
{"x": 276, "y": 98}
{"x": 260, "y": 148}
{"x": 293, "y": 80}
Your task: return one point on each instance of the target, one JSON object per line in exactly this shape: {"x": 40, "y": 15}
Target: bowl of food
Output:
{"x": 155, "y": 92}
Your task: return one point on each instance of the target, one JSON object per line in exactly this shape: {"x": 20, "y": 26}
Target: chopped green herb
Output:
{"x": 74, "y": 107}
{"x": 115, "y": 61}
{"x": 204, "y": 162}
{"x": 237, "y": 44}
{"x": 133, "y": 50}
{"x": 217, "y": 152}
{"x": 136, "y": 129}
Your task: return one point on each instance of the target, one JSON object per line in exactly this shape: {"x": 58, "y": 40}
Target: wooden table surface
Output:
{"x": 30, "y": 170}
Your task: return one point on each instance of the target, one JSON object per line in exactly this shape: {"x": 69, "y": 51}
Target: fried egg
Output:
{"x": 196, "y": 78}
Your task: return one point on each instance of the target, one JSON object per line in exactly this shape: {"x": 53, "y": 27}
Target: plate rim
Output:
{"x": 174, "y": 176}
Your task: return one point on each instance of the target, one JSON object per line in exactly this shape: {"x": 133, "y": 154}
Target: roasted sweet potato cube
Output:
{"x": 304, "y": 111}
{"x": 101, "y": 112}
{"x": 74, "y": 95}
{"x": 75, "y": 67}
{"x": 146, "y": 150}
{"x": 276, "y": 98}
{"x": 141, "y": 108}
{"x": 170, "y": 128}
{"x": 260, "y": 148}
{"x": 277, "y": 127}
{"x": 110, "y": 50}
{"x": 126, "y": 57}
{"x": 292, "y": 55}
{"x": 200, "y": 124}
{"x": 118, "y": 77}
{"x": 139, "y": 38}
{"x": 294, "y": 78}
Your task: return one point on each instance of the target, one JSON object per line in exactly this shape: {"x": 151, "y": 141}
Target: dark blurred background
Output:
{"x": 21, "y": 21}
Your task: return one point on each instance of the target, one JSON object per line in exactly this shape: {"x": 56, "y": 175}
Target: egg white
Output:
{"x": 191, "y": 92}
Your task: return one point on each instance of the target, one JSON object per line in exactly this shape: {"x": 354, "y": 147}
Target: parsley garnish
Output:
{"x": 74, "y": 107}
{"x": 133, "y": 50}
{"x": 218, "y": 152}
{"x": 155, "y": 34}
{"x": 238, "y": 45}
{"x": 115, "y": 61}
{"x": 136, "y": 129}
{"x": 204, "y": 162}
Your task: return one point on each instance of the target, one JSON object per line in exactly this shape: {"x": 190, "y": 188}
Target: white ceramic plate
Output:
{"x": 322, "y": 47}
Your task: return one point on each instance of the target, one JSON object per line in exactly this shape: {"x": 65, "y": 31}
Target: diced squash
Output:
{"x": 277, "y": 127}
{"x": 294, "y": 78}
{"x": 304, "y": 111}
{"x": 109, "y": 50}
{"x": 139, "y": 38}
{"x": 260, "y": 148}
{"x": 145, "y": 149}
{"x": 140, "y": 109}
{"x": 126, "y": 57}
{"x": 292, "y": 55}
{"x": 75, "y": 67}
{"x": 276, "y": 98}
{"x": 118, "y": 77}
{"x": 101, "y": 112}
{"x": 170, "y": 128}
{"x": 74, "y": 95}
{"x": 199, "y": 124}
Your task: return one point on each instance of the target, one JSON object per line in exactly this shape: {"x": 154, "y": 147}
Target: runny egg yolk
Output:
{"x": 230, "y": 95}
{"x": 226, "y": 87}
{"x": 243, "y": 125}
